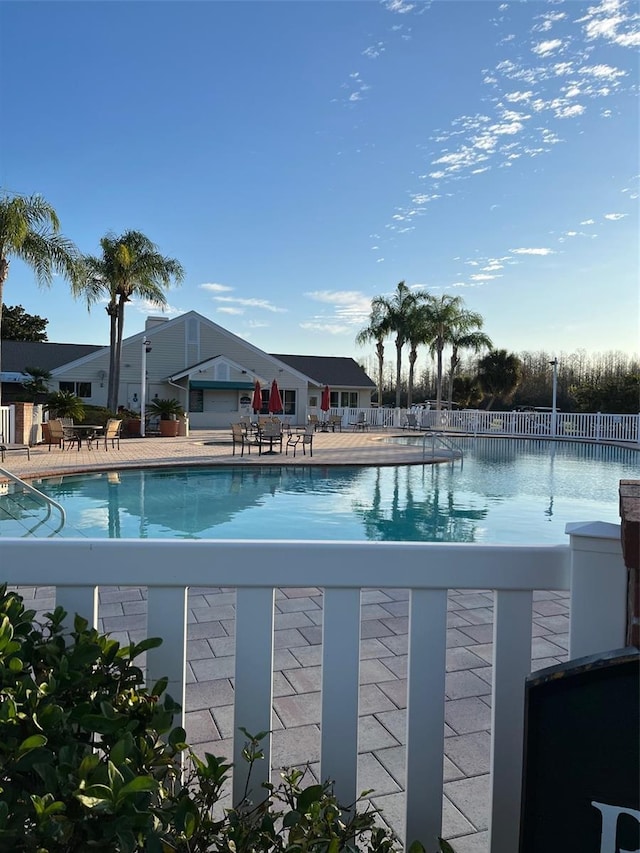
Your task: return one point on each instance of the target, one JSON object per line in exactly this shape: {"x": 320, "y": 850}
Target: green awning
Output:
{"x": 237, "y": 386}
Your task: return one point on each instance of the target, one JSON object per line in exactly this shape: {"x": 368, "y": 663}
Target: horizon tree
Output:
{"x": 466, "y": 335}
{"x": 397, "y": 317}
{"x": 499, "y": 374}
{"x": 441, "y": 315}
{"x": 19, "y": 325}
{"x": 30, "y": 231}
{"x": 130, "y": 266}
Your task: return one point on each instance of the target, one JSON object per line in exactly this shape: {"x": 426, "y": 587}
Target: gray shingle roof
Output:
{"x": 329, "y": 370}
{"x": 17, "y": 355}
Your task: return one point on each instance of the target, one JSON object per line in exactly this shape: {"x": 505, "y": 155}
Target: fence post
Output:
{"x": 598, "y": 588}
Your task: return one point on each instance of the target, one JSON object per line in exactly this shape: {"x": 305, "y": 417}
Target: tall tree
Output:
{"x": 30, "y": 231}
{"x": 397, "y": 314}
{"x": 375, "y": 331}
{"x": 130, "y": 266}
{"x": 18, "y": 325}
{"x": 442, "y": 313}
{"x": 499, "y": 374}
{"x": 418, "y": 332}
{"x": 465, "y": 335}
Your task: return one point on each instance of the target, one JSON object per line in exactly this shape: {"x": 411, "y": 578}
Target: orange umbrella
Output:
{"x": 256, "y": 403}
{"x": 275, "y": 400}
{"x": 325, "y": 405}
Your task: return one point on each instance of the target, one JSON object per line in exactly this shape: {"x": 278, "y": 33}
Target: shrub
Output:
{"x": 90, "y": 760}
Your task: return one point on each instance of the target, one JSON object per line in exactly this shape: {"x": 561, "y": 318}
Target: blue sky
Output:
{"x": 300, "y": 158}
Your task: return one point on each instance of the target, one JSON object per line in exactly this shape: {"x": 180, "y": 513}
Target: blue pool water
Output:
{"x": 504, "y": 491}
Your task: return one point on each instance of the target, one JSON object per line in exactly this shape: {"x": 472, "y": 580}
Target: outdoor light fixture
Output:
{"x": 146, "y": 348}
{"x": 554, "y": 395}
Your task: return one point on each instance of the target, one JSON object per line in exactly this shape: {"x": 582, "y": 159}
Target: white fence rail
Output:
{"x": 7, "y": 423}
{"x": 595, "y": 427}
{"x": 591, "y": 567}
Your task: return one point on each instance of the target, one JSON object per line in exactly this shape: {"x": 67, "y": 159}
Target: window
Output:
{"x": 349, "y": 399}
{"x": 289, "y": 402}
{"x": 313, "y": 402}
{"x": 80, "y": 389}
{"x": 196, "y": 400}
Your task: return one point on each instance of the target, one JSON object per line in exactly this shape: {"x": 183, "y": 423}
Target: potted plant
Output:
{"x": 169, "y": 410}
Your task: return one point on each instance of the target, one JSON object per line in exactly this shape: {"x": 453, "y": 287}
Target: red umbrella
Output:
{"x": 325, "y": 405}
{"x": 256, "y": 403}
{"x": 275, "y": 400}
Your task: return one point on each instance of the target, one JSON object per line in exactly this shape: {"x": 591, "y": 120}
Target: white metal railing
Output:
{"x": 591, "y": 567}
{"x": 8, "y": 423}
{"x": 595, "y": 427}
{"x": 40, "y": 496}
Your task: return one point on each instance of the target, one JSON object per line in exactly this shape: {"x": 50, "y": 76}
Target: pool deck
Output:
{"x": 298, "y": 637}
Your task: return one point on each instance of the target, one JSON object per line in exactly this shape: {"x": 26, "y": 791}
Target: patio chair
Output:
{"x": 112, "y": 433}
{"x": 305, "y": 438}
{"x": 411, "y": 422}
{"x": 360, "y": 422}
{"x": 335, "y": 423}
{"x": 6, "y": 447}
{"x": 271, "y": 433}
{"x": 239, "y": 436}
{"x": 60, "y": 434}
{"x": 313, "y": 421}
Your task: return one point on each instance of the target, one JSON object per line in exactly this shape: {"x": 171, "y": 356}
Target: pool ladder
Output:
{"x": 41, "y": 495}
{"x": 445, "y": 443}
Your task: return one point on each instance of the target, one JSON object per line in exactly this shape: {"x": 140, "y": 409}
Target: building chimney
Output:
{"x": 152, "y": 322}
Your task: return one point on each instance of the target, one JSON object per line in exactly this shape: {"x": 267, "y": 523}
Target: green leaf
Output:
{"x": 291, "y": 819}
{"x": 138, "y": 786}
{"x": 310, "y": 795}
{"x": 145, "y": 645}
{"x": 445, "y": 847}
{"x": 31, "y": 743}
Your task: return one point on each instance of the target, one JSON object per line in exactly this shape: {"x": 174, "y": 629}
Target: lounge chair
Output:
{"x": 6, "y": 447}
{"x": 305, "y": 438}
{"x": 112, "y": 433}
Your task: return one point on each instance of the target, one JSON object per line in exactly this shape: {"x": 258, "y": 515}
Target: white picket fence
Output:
{"x": 594, "y": 427}
{"x": 590, "y": 566}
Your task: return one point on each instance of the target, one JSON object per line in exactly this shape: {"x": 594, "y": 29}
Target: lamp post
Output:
{"x": 554, "y": 397}
{"x": 146, "y": 348}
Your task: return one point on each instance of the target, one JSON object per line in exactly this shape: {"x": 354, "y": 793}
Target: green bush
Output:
{"x": 90, "y": 761}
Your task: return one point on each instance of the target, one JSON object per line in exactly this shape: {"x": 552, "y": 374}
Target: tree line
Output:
{"x": 129, "y": 265}
{"x": 608, "y": 382}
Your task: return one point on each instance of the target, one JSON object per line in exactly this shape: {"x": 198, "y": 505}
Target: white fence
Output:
{"x": 595, "y": 427}
{"x": 591, "y": 567}
{"x": 7, "y": 423}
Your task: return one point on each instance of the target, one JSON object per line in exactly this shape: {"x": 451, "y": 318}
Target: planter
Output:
{"x": 169, "y": 429}
{"x": 133, "y": 426}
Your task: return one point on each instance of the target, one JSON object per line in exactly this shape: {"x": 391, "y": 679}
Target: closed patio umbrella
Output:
{"x": 256, "y": 403}
{"x": 325, "y": 404}
{"x": 275, "y": 400}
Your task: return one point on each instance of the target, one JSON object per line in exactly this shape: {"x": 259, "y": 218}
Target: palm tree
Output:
{"x": 397, "y": 313}
{"x": 30, "y": 231}
{"x": 441, "y": 317}
{"x": 466, "y": 335}
{"x": 130, "y": 265}
{"x": 499, "y": 374}
{"x": 375, "y": 331}
{"x": 418, "y": 332}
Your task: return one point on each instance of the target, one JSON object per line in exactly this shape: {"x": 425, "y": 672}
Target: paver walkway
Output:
{"x": 296, "y": 710}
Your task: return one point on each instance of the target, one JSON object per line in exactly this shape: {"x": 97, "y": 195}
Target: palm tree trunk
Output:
{"x": 4, "y": 272}
{"x": 439, "y": 380}
{"x": 120, "y": 332}
{"x": 452, "y": 371}
{"x": 380, "y": 352}
{"x": 112, "y": 395}
{"x": 413, "y": 355}
{"x": 399, "y": 345}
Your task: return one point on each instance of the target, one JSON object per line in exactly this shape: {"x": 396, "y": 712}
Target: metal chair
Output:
{"x": 6, "y": 447}
{"x": 112, "y": 433}
{"x": 305, "y": 438}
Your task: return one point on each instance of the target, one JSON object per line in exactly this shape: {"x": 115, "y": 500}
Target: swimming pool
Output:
{"x": 504, "y": 491}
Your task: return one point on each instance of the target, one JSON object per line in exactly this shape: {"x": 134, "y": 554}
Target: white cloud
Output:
{"x": 613, "y": 22}
{"x": 401, "y": 7}
{"x": 251, "y": 303}
{"x": 588, "y": 222}
{"x": 482, "y": 277}
{"x": 145, "y": 306}
{"x": 532, "y": 251}
{"x": 326, "y": 328}
{"x": 546, "y": 48}
{"x": 615, "y": 216}
{"x": 215, "y": 288}
{"x": 234, "y": 311}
